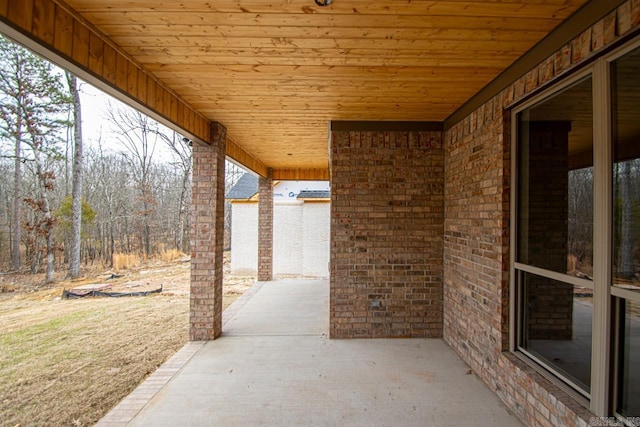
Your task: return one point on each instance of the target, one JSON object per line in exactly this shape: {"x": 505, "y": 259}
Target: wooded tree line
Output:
{"x": 626, "y": 218}
{"x": 132, "y": 189}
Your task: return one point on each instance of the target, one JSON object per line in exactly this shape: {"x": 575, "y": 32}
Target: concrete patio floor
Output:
{"x": 274, "y": 365}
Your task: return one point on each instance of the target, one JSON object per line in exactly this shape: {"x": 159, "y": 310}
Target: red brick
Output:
{"x": 531, "y": 80}
{"x": 610, "y": 33}
{"x": 265, "y": 229}
{"x": 386, "y": 234}
{"x": 562, "y": 59}
{"x": 624, "y": 18}
{"x": 207, "y": 219}
{"x": 545, "y": 70}
{"x": 597, "y": 36}
{"x": 581, "y": 47}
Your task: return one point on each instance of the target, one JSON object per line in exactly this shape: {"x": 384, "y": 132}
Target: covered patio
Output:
{"x": 451, "y": 159}
{"x": 275, "y": 365}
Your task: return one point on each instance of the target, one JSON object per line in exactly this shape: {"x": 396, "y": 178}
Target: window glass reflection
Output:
{"x": 555, "y": 183}
{"x": 556, "y": 326}
{"x": 629, "y": 380}
{"x": 626, "y": 171}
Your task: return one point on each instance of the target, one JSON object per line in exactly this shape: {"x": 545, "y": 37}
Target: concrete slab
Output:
{"x": 287, "y": 307}
{"x": 274, "y": 365}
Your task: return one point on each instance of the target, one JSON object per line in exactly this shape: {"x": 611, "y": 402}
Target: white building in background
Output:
{"x": 301, "y": 214}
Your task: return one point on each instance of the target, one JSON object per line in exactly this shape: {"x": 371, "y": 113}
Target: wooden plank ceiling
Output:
{"x": 275, "y": 72}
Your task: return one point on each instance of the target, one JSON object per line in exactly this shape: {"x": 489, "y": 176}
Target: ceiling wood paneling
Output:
{"x": 276, "y": 72}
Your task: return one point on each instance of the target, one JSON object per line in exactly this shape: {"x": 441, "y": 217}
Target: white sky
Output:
{"x": 94, "y": 103}
{"x": 94, "y": 122}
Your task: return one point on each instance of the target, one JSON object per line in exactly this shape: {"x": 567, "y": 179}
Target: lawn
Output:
{"x": 68, "y": 362}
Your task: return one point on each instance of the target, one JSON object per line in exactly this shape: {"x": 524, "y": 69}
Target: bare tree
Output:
{"x": 43, "y": 227}
{"x": 14, "y": 97}
{"x": 181, "y": 148}
{"x": 17, "y": 184}
{"x": 5, "y": 212}
{"x": 625, "y": 267}
{"x": 140, "y": 203}
{"x": 108, "y": 192}
{"x": 139, "y": 135}
{"x": 580, "y": 215}
{"x": 76, "y": 192}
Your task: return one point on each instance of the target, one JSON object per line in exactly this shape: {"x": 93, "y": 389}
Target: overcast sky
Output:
{"x": 94, "y": 112}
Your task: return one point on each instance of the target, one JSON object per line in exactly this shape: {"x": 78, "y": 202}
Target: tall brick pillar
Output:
{"x": 265, "y": 230}
{"x": 207, "y": 219}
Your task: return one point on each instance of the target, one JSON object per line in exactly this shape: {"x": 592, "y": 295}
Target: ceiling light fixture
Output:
{"x": 323, "y": 2}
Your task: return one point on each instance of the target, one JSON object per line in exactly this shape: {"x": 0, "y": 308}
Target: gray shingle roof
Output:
{"x": 314, "y": 194}
{"x": 245, "y": 188}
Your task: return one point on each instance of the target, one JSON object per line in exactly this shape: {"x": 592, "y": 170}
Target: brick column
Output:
{"x": 265, "y": 230}
{"x": 207, "y": 219}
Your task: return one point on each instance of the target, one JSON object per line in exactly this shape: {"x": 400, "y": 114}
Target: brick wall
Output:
{"x": 207, "y": 220}
{"x": 386, "y": 234}
{"x": 476, "y": 270}
{"x": 476, "y": 235}
{"x": 265, "y": 229}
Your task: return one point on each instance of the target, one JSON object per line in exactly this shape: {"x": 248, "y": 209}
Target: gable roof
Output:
{"x": 245, "y": 188}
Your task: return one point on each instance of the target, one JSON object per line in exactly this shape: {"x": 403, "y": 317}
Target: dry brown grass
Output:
{"x": 125, "y": 261}
{"x": 68, "y": 362}
{"x": 171, "y": 254}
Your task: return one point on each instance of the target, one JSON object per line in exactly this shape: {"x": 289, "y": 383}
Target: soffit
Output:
{"x": 275, "y": 73}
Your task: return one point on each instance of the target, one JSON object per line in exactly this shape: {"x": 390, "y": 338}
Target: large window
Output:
{"x": 625, "y": 230}
{"x": 576, "y": 234}
{"x": 555, "y": 231}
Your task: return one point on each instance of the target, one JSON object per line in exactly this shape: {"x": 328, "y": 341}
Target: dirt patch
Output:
{"x": 68, "y": 362}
